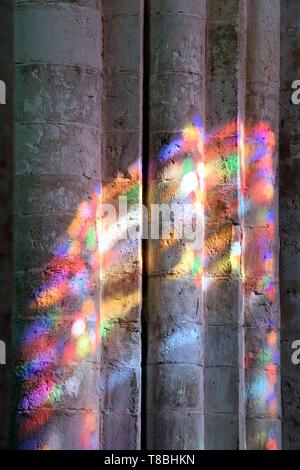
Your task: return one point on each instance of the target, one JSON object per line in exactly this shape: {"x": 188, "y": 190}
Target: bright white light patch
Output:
{"x": 236, "y": 249}
{"x": 78, "y": 328}
{"x": 189, "y": 183}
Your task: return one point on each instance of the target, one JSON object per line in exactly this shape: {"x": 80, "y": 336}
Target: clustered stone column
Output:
{"x": 113, "y": 100}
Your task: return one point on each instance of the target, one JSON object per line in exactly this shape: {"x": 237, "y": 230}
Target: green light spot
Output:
{"x": 232, "y": 164}
{"x": 196, "y": 266}
{"x": 106, "y": 326}
{"x": 187, "y": 167}
{"x": 133, "y": 195}
{"x": 91, "y": 240}
{"x": 55, "y": 395}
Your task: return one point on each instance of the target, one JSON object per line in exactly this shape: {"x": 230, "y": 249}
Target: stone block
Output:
{"x": 122, "y": 390}
{"x": 223, "y": 301}
{"x": 46, "y": 92}
{"x": 161, "y": 305}
{"x": 51, "y": 194}
{"x": 263, "y": 393}
{"x": 78, "y": 29}
{"x": 121, "y": 432}
{"x": 122, "y": 345}
{"x": 120, "y": 151}
{"x": 121, "y": 101}
{"x": 175, "y": 431}
{"x": 188, "y": 99}
{"x": 41, "y": 148}
{"x": 118, "y": 31}
{"x": 263, "y": 434}
{"x": 174, "y": 387}
{"x": 221, "y": 390}
{"x": 221, "y": 431}
{"x": 175, "y": 343}
{"x": 177, "y": 43}
{"x": 221, "y": 345}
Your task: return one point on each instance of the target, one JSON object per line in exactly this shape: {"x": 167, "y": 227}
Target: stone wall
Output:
{"x": 160, "y": 343}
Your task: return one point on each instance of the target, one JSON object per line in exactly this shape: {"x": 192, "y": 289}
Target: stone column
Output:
{"x": 260, "y": 236}
{"x": 121, "y": 240}
{"x": 176, "y": 32}
{"x": 223, "y": 236}
{"x": 57, "y": 175}
{"x": 289, "y": 223}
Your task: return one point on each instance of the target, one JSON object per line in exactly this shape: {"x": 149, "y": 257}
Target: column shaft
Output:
{"x": 223, "y": 234}
{"x": 260, "y": 238}
{"x": 289, "y": 224}
{"x": 174, "y": 262}
{"x": 121, "y": 257}
{"x": 57, "y": 174}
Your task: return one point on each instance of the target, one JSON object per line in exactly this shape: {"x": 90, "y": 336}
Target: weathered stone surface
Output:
{"x": 228, "y": 439}
{"x": 50, "y": 92}
{"x": 220, "y": 390}
{"x": 55, "y": 332}
{"x": 178, "y": 431}
{"x": 121, "y": 432}
{"x": 122, "y": 390}
{"x": 223, "y": 301}
{"x": 121, "y": 345}
{"x": 223, "y": 350}
{"x": 262, "y": 432}
{"x": 163, "y": 290}
{"x": 177, "y": 69}
{"x": 176, "y": 343}
{"x": 175, "y": 387}
{"x": 41, "y": 147}
{"x": 54, "y": 430}
{"x": 78, "y": 29}
{"x": 174, "y": 45}
{"x": 186, "y": 99}
{"x": 115, "y": 30}
{"x": 289, "y": 223}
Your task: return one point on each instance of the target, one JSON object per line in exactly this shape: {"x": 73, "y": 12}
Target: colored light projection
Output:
{"x": 61, "y": 343}
{"x": 237, "y": 175}
{"x": 262, "y": 348}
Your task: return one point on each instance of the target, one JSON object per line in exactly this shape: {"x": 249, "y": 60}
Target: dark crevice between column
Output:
{"x": 6, "y": 210}
{"x": 145, "y": 174}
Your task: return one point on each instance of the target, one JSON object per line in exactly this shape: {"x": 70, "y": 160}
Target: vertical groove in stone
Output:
{"x": 57, "y": 174}
{"x": 145, "y": 165}
{"x": 174, "y": 300}
{"x": 240, "y": 128}
{"x": 261, "y": 245}
{"x": 289, "y": 222}
{"x": 223, "y": 234}
{"x": 121, "y": 292}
